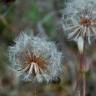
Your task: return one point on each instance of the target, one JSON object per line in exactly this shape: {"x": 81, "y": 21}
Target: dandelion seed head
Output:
{"x": 35, "y": 58}
{"x": 79, "y": 20}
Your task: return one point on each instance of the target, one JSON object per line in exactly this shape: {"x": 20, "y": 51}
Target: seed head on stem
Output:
{"x": 35, "y": 58}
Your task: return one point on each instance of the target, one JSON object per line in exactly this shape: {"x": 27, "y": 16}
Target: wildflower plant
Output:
{"x": 35, "y": 58}
{"x": 79, "y": 24}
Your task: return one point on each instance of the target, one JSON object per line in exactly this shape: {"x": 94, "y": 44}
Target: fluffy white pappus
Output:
{"x": 79, "y": 20}
{"x": 75, "y": 4}
{"x": 35, "y": 58}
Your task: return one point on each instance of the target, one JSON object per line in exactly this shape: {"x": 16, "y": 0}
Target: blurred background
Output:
{"x": 43, "y": 17}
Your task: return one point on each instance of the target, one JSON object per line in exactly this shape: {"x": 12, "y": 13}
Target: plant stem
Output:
{"x": 83, "y": 75}
{"x": 84, "y": 85}
{"x": 35, "y": 91}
